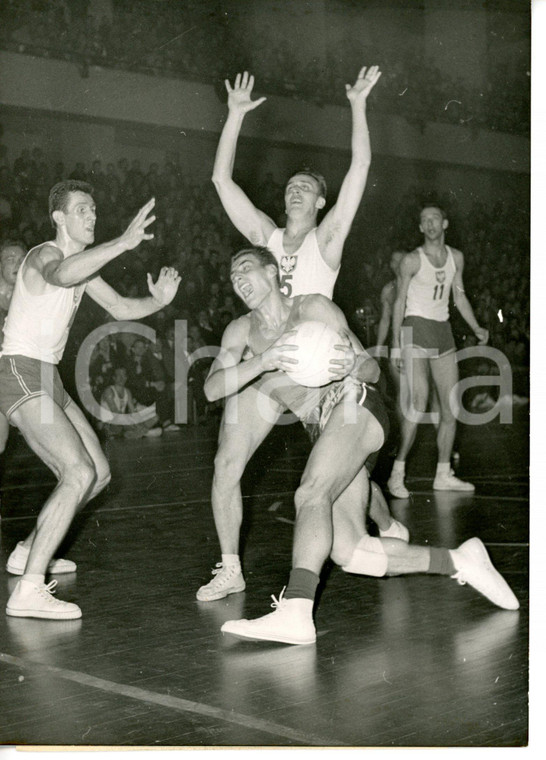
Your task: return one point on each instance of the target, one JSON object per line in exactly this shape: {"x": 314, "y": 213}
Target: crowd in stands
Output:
{"x": 210, "y": 48}
{"x": 193, "y": 234}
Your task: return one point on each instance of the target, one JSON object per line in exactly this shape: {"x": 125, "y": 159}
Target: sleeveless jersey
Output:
{"x": 120, "y": 402}
{"x": 303, "y": 271}
{"x": 429, "y": 289}
{"x": 38, "y": 326}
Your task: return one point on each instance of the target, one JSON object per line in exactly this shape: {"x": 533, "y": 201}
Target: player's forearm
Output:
{"x": 463, "y": 305}
{"x": 80, "y": 266}
{"x": 361, "y": 150}
{"x": 134, "y": 308}
{"x": 227, "y": 146}
{"x": 225, "y": 382}
{"x": 397, "y": 319}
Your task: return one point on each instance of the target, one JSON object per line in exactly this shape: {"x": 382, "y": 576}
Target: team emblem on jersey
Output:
{"x": 288, "y": 263}
{"x": 440, "y": 277}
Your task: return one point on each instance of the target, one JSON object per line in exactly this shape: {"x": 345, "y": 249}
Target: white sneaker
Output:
{"x": 396, "y": 486}
{"x": 447, "y": 481}
{"x": 396, "y": 530}
{"x": 290, "y": 623}
{"x": 227, "y": 580}
{"x": 155, "y": 432}
{"x": 474, "y": 567}
{"x": 17, "y": 561}
{"x": 37, "y": 601}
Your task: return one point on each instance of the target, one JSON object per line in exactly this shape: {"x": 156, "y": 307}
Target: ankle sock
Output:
{"x": 302, "y": 584}
{"x": 229, "y": 560}
{"x": 399, "y": 466}
{"x": 443, "y": 468}
{"x": 441, "y": 562}
{"x": 36, "y": 578}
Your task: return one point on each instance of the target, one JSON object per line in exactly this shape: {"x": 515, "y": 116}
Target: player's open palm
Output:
{"x": 166, "y": 285}
{"x": 239, "y": 95}
{"x": 136, "y": 231}
{"x": 367, "y": 79}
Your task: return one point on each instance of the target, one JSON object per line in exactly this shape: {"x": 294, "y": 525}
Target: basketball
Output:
{"x": 315, "y": 341}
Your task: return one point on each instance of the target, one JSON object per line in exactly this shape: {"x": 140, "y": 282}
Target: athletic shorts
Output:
{"x": 21, "y": 379}
{"x": 368, "y": 397}
{"x": 431, "y": 334}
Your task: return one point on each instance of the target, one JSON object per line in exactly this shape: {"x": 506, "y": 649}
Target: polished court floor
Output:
{"x": 405, "y": 661}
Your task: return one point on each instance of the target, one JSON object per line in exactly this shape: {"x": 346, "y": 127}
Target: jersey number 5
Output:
{"x": 286, "y": 285}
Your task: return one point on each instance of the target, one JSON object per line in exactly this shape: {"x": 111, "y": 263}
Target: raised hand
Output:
{"x": 364, "y": 84}
{"x": 164, "y": 289}
{"x": 239, "y": 95}
{"x": 136, "y": 231}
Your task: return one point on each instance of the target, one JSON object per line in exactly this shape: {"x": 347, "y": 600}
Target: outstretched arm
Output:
{"x": 49, "y": 262}
{"x": 462, "y": 302}
{"x": 228, "y": 374}
{"x": 252, "y": 223}
{"x": 162, "y": 293}
{"x": 335, "y": 226}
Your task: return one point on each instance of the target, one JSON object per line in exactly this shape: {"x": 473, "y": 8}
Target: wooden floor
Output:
{"x": 406, "y": 661}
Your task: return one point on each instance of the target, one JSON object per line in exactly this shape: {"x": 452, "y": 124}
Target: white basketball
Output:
{"x": 315, "y": 341}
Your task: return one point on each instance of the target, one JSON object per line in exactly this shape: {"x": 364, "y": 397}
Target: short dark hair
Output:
{"x": 58, "y": 195}
{"x": 316, "y": 176}
{"x": 11, "y": 243}
{"x": 432, "y": 204}
{"x": 261, "y": 253}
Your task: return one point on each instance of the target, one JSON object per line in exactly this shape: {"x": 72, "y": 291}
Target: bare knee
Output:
{"x": 103, "y": 477}
{"x": 80, "y": 475}
{"x": 312, "y": 496}
{"x": 229, "y": 465}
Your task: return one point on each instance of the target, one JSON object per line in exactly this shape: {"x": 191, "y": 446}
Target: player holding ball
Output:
{"x": 349, "y": 422}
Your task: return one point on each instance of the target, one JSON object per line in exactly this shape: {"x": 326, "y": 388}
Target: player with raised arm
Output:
{"x": 309, "y": 256}
{"x": 48, "y": 290}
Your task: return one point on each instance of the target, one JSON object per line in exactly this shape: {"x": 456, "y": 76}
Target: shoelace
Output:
{"x": 50, "y": 588}
{"x": 458, "y": 576}
{"x": 277, "y": 602}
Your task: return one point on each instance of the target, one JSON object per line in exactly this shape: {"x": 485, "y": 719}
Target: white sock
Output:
{"x": 229, "y": 560}
{"x": 399, "y": 466}
{"x": 36, "y": 578}
{"x": 443, "y": 468}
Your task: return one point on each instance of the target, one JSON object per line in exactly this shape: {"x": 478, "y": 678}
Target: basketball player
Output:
{"x": 426, "y": 278}
{"x": 309, "y": 255}
{"x": 12, "y": 254}
{"x": 351, "y": 421}
{"x": 47, "y": 293}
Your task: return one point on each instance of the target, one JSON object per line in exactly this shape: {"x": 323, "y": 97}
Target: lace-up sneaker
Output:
{"x": 290, "y": 623}
{"x": 37, "y": 601}
{"x": 227, "y": 580}
{"x": 396, "y": 530}
{"x": 17, "y": 561}
{"x": 448, "y": 482}
{"x": 474, "y": 567}
{"x": 396, "y": 486}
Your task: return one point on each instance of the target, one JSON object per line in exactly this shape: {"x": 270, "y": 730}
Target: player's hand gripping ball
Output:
{"x": 315, "y": 341}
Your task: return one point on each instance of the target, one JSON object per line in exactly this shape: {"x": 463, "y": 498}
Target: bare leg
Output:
{"x": 60, "y": 447}
{"x": 414, "y": 393}
{"x": 237, "y": 443}
{"x": 445, "y": 376}
{"x": 379, "y": 510}
{"x": 93, "y": 448}
{"x": 326, "y": 477}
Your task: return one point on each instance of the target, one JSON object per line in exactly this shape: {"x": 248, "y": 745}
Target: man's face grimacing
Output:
{"x": 11, "y": 259}
{"x": 303, "y": 195}
{"x": 251, "y": 280}
{"x": 432, "y": 222}
{"x": 79, "y": 217}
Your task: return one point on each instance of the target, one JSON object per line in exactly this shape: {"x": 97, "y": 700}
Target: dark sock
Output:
{"x": 440, "y": 562}
{"x": 302, "y": 584}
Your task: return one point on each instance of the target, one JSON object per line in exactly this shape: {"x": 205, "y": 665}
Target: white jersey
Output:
{"x": 429, "y": 289}
{"x": 304, "y": 271}
{"x": 37, "y": 326}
